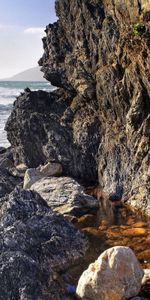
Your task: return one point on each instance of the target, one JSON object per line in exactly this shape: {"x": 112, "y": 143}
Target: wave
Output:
{"x": 7, "y": 107}
{"x": 13, "y": 89}
{"x": 9, "y": 92}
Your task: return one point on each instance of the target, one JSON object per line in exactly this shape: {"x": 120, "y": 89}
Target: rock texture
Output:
{"x": 34, "y": 241}
{"x": 97, "y": 124}
{"x": 65, "y": 195}
{"x": 116, "y": 275}
{"x": 8, "y": 180}
{"x": 43, "y": 134}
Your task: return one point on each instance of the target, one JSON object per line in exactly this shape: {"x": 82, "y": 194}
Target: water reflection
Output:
{"x": 114, "y": 225}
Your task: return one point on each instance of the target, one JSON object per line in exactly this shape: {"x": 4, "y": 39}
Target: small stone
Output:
{"x": 48, "y": 170}
{"x": 51, "y": 169}
{"x": 21, "y": 167}
{"x": 31, "y": 176}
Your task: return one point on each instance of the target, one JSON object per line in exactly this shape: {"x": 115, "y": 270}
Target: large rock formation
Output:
{"x": 97, "y": 124}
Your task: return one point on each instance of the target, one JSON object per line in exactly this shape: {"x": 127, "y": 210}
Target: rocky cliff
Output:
{"x": 97, "y": 123}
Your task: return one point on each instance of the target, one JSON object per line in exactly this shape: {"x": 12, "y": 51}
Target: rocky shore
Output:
{"x": 79, "y": 152}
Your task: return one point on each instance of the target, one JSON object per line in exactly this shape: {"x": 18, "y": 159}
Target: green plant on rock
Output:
{"x": 138, "y": 29}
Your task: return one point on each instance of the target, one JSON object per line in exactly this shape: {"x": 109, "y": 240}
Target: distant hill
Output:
{"x": 33, "y": 74}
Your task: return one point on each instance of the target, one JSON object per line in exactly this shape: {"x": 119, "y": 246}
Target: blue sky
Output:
{"x": 22, "y": 24}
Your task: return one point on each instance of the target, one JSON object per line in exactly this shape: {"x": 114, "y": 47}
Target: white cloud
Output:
{"x": 3, "y": 27}
{"x": 35, "y": 30}
{"x": 19, "y": 51}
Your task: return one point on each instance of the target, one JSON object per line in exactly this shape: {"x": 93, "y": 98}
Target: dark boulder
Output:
{"x": 34, "y": 241}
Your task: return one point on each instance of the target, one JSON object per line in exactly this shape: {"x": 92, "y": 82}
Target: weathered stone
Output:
{"x": 116, "y": 275}
{"x": 34, "y": 241}
{"x": 65, "y": 195}
{"x": 33, "y": 175}
{"x": 21, "y": 168}
{"x": 51, "y": 169}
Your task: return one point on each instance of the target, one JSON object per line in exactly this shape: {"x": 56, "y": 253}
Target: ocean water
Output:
{"x": 8, "y": 92}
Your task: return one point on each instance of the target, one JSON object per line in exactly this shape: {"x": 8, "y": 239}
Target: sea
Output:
{"x": 9, "y": 90}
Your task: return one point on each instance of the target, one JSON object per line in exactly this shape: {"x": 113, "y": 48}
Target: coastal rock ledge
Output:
{"x": 97, "y": 123}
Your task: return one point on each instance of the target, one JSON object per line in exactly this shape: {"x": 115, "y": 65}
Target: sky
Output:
{"x": 22, "y": 24}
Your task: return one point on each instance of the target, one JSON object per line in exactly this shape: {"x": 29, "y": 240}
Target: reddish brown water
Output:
{"x": 114, "y": 225}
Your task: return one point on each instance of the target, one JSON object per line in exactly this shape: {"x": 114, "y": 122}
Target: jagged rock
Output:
{"x": 34, "y": 241}
{"x": 2, "y": 150}
{"x": 116, "y": 275}
{"x": 7, "y": 183}
{"x": 65, "y": 195}
{"x": 52, "y": 138}
{"x": 7, "y": 180}
{"x": 33, "y": 175}
{"x": 97, "y": 124}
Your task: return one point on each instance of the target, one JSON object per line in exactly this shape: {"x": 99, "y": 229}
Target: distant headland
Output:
{"x": 32, "y": 74}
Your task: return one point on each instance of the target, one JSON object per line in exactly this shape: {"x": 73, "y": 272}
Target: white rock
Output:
{"x": 21, "y": 168}
{"x": 116, "y": 275}
{"x": 48, "y": 170}
{"x": 51, "y": 169}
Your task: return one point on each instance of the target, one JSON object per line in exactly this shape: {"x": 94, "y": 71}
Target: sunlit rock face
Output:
{"x": 97, "y": 124}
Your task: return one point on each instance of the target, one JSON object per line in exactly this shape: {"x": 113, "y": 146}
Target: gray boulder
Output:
{"x": 65, "y": 195}
{"x": 35, "y": 244}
